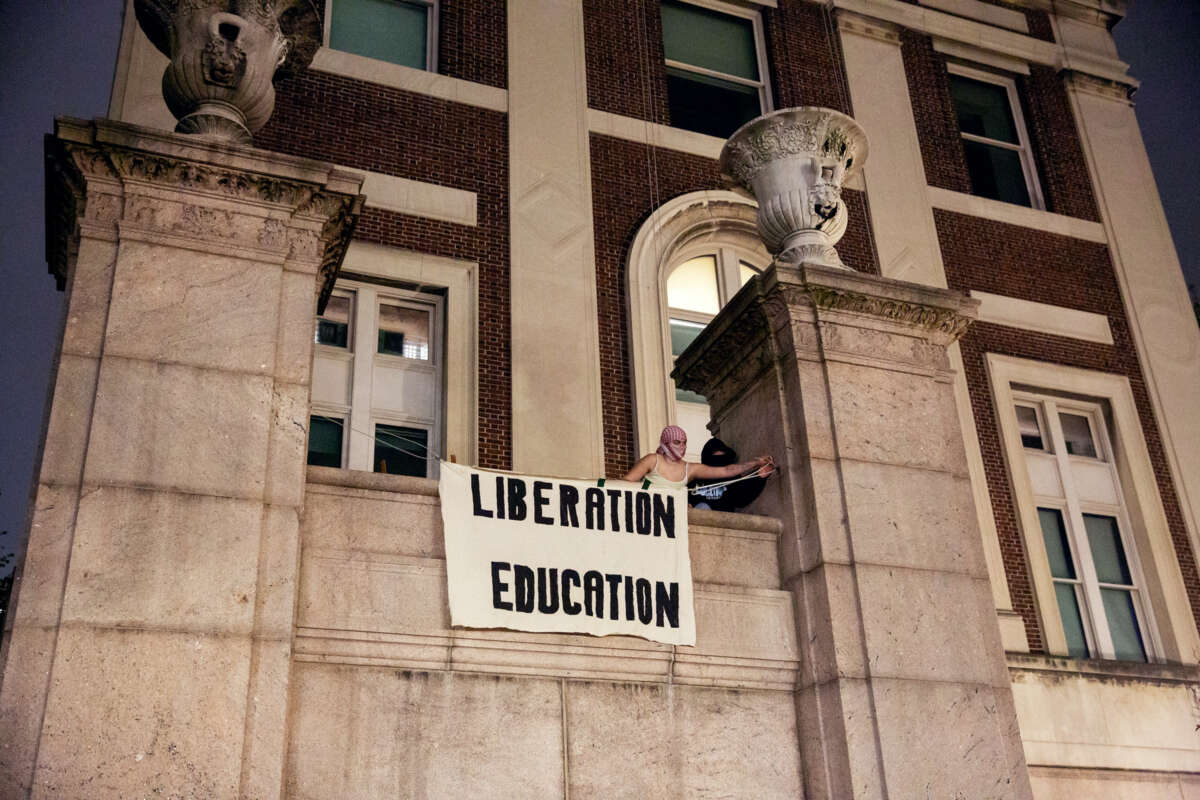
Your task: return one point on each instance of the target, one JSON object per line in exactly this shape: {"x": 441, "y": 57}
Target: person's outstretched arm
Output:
{"x": 639, "y": 470}
{"x": 764, "y": 464}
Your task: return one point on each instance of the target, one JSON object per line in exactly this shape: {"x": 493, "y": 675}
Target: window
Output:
{"x": 999, "y": 159}
{"x": 716, "y": 79}
{"x": 400, "y": 31}
{"x": 697, "y": 288}
{"x": 1084, "y": 526}
{"x": 377, "y": 380}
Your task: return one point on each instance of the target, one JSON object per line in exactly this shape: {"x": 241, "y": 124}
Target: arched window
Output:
{"x": 687, "y": 261}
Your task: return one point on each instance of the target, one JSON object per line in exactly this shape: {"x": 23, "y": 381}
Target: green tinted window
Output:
{"x": 1107, "y": 552}
{"x": 1122, "y": 624}
{"x": 983, "y": 109}
{"x": 325, "y": 442}
{"x": 390, "y": 30}
{"x": 1058, "y": 550}
{"x": 1068, "y": 609}
{"x": 400, "y": 451}
{"x": 705, "y": 38}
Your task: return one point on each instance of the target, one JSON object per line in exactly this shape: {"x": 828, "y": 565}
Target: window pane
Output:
{"x": 334, "y": 325}
{"x": 1105, "y": 541}
{"x": 692, "y": 286}
{"x": 390, "y": 30}
{"x": 1078, "y": 435}
{"x": 983, "y": 109}
{"x": 1031, "y": 432}
{"x": 1122, "y": 624}
{"x": 1068, "y": 609}
{"x": 404, "y": 331}
{"x": 709, "y": 39}
{"x": 996, "y": 173}
{"x": 746, "y": 272}
{"x": 1058, "y": 550}
{"x": 709, "y": 105}
{"x": 325, "y": 441}
{"x": 400, "y": 451}
{"x": 684, "y": 333}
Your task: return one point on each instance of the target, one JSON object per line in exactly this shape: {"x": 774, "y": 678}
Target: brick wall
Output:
{"x": 473, "y": 41}
{"x": 623, "y": 197}
{"x": 385, "y": 130}
{"x": 1062, "y": 171}
{"x": 626, "y": 74}
{"x": 1041, "y": 267}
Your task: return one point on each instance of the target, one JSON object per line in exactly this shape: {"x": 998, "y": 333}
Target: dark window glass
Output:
{"x": 996, "y": 172}
{"x": 325, "y": 442}
{"x": 1072, "y": 620}
{"x": 334, "y": 325}
{"x": 1031, "y": 432}
{"x": 1122, "y": 625}
{"x": 709, "y": 105}
{"x": 1077, "y": 433}
{"x": 983, "y": 109}
{"x": 1107, "y": 552}
{"x": 401, "y": 451}
{"x": 1058, "y": 550}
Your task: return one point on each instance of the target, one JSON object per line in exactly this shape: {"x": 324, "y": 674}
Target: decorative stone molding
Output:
{"x": 815, "y": 309}
{"x": 850, "y": 22}
{"x": 794, "y": 162}
{"x": 1106, "y": 88}
{"x": 224, "y": 55}
{"x": 95, "y": 175}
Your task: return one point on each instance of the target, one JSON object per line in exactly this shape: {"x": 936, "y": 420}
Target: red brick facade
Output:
{"x": 623, "y": 197}
{"x": 627, "y": 75}
{"x": 422, "y": 138}
{"x": 1031, "y": 265}
{"x": 1062, "y": 170}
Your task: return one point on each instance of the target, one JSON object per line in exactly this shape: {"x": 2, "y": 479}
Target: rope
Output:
{"x": 430, "y": 453}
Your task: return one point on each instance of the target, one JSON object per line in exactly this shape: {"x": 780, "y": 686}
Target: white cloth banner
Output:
{"x": 544, "y": 554}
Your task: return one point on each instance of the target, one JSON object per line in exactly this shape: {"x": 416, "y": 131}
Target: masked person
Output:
{"x": 730, "y": 496}
{"x": 665, "y": 466}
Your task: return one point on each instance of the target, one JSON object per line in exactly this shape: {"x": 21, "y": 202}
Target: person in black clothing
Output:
{"x": 703, "y": 494}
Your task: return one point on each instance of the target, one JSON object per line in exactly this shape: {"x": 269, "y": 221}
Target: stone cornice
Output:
{"x": 106, "y": 174}
{"x": 818, "y": 299}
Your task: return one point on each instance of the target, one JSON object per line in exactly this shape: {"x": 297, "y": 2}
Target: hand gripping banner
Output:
{"x": 544, "y": 554}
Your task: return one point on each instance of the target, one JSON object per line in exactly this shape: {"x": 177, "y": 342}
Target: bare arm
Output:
{"x": 639, "y": 470}
{"x": 764, "y": 464}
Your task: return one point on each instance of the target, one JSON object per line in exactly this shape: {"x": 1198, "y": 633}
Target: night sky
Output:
{"x": 58, "y": 58}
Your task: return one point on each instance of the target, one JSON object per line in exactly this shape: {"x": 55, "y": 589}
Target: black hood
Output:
{"x": 717, "y": 454}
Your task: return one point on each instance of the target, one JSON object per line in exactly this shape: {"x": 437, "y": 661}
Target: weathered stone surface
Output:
{"x": 278, "y": 567}
{"x": 30, "y": 654}
{"x": 734, "y": 558}
{"x": 926, "y": 625}
{"x": 46, "y": 556}
{"x": 266, "y": 719}
{"x": 161, "y": 295}
{"x": 828, "y": 593}
{"x": 365, "y": 732}
{"x": 87, "y": 309}
{"x": 175, "y": 427}
{"x": 1059, "y": 783}
{"x": 631, "y": 740}
{"x": 122, "y": 722}
{"x": 287, "y": 445}
{"x": 70, "y": 414}
{"x": 894, "y": 523}
{"x": 294, "y": 341}
{"x": 958, "y": 750}
{"x": 362, "y": 520}
{"x": 164, "y": 560}
{"x": 895, "y": 418}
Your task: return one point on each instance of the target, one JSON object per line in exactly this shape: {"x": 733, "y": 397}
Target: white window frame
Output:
{"x": 431, "y": 32}
{"x": 1023, "y": 148}
{"x": 1073, "y": 508}
{"x": 1171, "y": 630}
{"x": 763, "y": 84}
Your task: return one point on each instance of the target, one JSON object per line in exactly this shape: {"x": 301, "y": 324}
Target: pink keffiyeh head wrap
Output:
{"x": 673, "y": 443}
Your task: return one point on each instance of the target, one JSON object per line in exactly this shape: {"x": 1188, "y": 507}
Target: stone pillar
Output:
{"x": 151, "y": 644}
{"x": 557, "y": 420}
{"x": 845, "y": 379}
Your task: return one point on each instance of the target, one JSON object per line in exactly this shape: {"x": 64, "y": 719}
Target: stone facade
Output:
{"x": 878, "y": 627}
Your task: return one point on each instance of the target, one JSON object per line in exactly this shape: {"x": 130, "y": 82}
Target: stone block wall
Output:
{"x": 389, "y": 700}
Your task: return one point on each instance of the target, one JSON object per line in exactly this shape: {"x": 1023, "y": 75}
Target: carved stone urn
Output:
{"x": 794, "y": 162}
{"x": 224, "y": 56}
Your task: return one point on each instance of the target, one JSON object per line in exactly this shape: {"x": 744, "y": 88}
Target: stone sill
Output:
{"x": 404, "y": 484}
{"x": 1035, "y": 218}
{"x": 1099, "y": 668}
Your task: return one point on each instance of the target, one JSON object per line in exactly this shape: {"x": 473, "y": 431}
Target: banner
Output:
{"x": 544, "y": 554}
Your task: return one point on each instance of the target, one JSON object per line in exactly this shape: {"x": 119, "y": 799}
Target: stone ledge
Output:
{"x": 1099, "y": 668}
